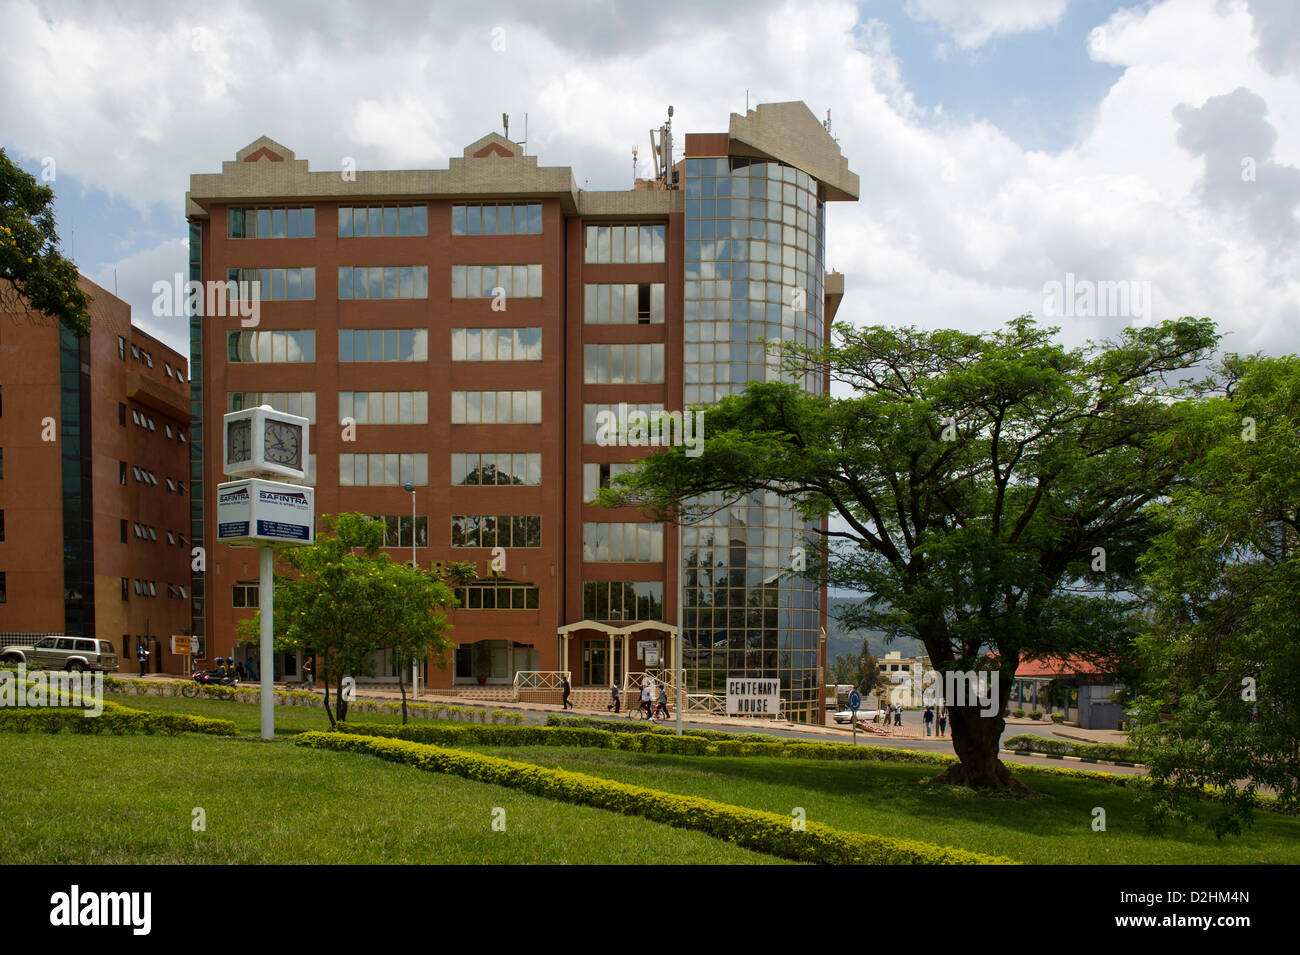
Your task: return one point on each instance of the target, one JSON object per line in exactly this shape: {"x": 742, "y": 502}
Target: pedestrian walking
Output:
{"x": 662, "y": 708}
{"x": 240, "y": 675}
{"x": 142, "y": 655}
{"x": 309, "y": 672}
{"x": 898, "y": 716}
{"x": 929, "y": 719}
{"x": 251, "y": 669}
{"x": 565, "y": 689}
{"x": 613, "y": 694}
{"x": 943, "y": 721}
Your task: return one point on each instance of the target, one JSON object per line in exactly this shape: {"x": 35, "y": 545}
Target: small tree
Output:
{"x": 347, "y": 600}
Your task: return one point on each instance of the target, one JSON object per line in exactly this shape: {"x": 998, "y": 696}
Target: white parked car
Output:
{"x": 845, "y": 716}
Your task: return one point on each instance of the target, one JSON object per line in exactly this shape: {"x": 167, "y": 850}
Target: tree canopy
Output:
{"x": 990, "y": 491}
{"x": 346, "y": 600}
{"x": 44, "y": 280}
{"x": 1221, "y": 649}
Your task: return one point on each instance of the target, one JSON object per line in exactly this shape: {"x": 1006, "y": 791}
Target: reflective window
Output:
{"x": 278, "y": 223}
{"x": 626, "y": 243}
{"x": 356, "y": 221}
{"x": 496, "y": 344}
{"x": 497, "y": 219}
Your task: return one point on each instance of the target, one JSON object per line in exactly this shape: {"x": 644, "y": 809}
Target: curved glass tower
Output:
{"x": 754, "y": 256}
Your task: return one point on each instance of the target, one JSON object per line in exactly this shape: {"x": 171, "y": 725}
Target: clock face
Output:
{"x": 239, "y": 444}
{"x": 283, "y": 443}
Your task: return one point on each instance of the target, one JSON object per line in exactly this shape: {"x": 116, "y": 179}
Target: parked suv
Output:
{"x": 64, "y": 653}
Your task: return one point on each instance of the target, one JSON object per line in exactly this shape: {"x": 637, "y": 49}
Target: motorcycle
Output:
{"x": 202, "y": 678}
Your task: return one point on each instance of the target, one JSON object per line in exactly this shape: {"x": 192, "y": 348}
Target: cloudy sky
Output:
{"x": 1003, "y": 145}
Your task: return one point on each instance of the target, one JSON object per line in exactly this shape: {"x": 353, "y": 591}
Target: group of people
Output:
{"x": 653, "y": 705}
{"x": 935, "y": 718}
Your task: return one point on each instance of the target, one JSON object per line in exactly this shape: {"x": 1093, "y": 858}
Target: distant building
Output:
{"x": 94, "y": 475}
{"x": 1087, "y": 691}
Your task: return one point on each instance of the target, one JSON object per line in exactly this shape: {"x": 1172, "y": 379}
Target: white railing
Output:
{"x": 541, "y": 679}
{"x": 632, "y": 683}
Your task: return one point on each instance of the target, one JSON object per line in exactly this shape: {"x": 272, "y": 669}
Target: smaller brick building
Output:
{"x": 94, "y": 481}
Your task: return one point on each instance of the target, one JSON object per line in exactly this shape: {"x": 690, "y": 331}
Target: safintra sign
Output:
{"x": 255, "y": 511}
{"x": 753, "y": 696}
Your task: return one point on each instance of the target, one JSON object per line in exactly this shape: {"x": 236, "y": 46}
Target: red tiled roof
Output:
{"x": 1054, "y": 666}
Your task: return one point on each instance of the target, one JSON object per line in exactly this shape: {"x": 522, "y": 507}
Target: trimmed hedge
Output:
{"x": 644, "y": 726}
{"x": 636, "y": 742}
{"x": 252, "y": 694}
{"x": 116, "y": 719}
{"x": 762, "y": 831}
{"x": 1031, "y": 743}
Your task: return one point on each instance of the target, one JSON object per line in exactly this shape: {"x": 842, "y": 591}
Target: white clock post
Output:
{"x": 260, "y": 444}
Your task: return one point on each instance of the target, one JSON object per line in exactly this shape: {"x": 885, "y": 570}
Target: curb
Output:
{"x": 1075, "y": 759}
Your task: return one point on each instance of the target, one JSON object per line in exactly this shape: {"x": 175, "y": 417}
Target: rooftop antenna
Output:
{"x": 827, "y": 124}
{"x": 662, "y": 148}
{"x": 505, "y": 121}
{"x": 524, "y": 144}
{"x": 633, "y": 165}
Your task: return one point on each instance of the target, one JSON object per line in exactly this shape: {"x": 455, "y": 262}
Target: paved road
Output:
{"x": 844, "y": 735}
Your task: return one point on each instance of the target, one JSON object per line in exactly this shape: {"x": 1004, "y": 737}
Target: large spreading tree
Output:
{"x": 990, "y": 492}
{"x": 42, "y": 282}
{"x": 1221, "y": 706}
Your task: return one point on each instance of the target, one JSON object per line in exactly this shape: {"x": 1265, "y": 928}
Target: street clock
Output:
{"x": 263, "y": 442}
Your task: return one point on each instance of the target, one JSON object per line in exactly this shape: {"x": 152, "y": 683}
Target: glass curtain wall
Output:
{"x": 755, "y": 237}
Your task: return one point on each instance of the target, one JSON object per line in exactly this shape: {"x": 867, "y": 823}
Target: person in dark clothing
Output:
{"x": 142, "y": 654}
{"x": 898, "y": 716}
{"x": 929, "y": 719}
{"x": 613, "y": 693}
{"x": 565, "y": 689}
{"x": 662, "y": 708}
{"x": 943, "y": 721}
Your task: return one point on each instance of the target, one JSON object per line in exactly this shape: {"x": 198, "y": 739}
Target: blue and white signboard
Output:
{"x": 855, "y": 701}
{"x": 253, "y": 511}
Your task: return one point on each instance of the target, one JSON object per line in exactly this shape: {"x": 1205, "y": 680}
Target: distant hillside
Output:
{"x": 840, "y": 641}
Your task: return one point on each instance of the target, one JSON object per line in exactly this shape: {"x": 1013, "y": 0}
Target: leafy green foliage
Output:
{"x": 348, "y": 600}
{"x": 974, "y": 479}
{"x": 1221, "y": 706}
{"x": 45, "y": 281}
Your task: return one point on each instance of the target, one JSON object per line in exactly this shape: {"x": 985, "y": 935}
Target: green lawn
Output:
{"x": 129, "y": 799}
{"x": 885, "y": 799}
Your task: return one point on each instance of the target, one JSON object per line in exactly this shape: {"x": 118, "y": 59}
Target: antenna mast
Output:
{"x": 662, "y": 149}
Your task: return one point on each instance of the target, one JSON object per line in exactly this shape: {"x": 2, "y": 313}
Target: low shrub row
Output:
{"x": 762, "y": 831}
{"x": 1031, "y": 743}
{"x": 252, "y": 694}
{"x": 637, "y": 742}
{"x": 644, "y": 726}
{"x": 116, "y": 719}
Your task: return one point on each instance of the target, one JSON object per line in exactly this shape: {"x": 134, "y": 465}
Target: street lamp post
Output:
{"x": 414, "y": 664}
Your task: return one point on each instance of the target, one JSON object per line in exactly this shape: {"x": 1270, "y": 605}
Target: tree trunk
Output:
{"x": 402, "y": 684}
{"x": 975, "y": 739}
{"x": 325, "y": 680}
{"x": 342, "y": 700}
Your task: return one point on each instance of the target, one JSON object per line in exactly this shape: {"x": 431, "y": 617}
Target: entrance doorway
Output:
{"x": 596, "y": 662}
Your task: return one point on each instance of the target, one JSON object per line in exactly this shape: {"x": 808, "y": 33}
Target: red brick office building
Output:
{"x": 94, "y": 474}
{"x": 460, "y": 329}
